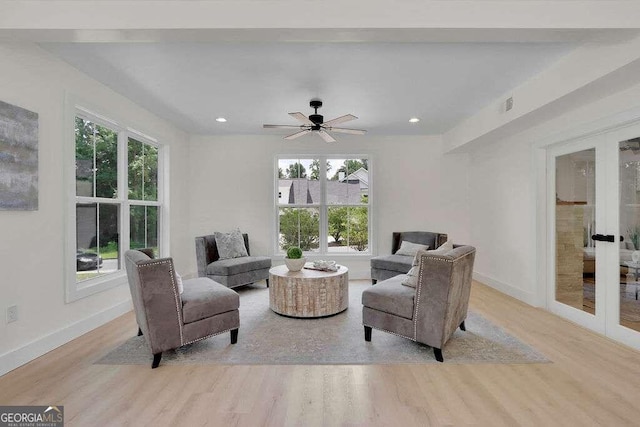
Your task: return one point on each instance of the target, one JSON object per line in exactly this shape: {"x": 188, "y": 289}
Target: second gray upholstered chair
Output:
{"x": 230, "y": 272}
{"x": 168, "y": 319}
{"x": 432, "y": 311}
{"x": 386, "y": 266}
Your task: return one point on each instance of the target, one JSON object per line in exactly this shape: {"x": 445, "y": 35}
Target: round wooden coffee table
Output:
{"x": 308, "y": 293}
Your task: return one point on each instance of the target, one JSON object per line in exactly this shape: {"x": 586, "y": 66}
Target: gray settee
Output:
{"x": 230, "y": 272}
{"x": 168, "y": 319}
{"x": 432, "y": 311}
{"x": 386, "y": 266}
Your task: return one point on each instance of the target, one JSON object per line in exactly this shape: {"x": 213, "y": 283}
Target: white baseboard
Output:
{"x": 18, "y": 357}
{"x": 512, "y": 291}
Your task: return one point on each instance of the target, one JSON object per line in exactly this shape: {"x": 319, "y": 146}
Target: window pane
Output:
{"x": 348, "y": 229}
{"x": 144, "y": 227}
{"x": 298, "y": 181}
{"x": 143, "y": 171}
{"x": 300, "y": 227}
{"x": 96, "y": 160}
{"x": 348, "y": 182}
{"x": 97, "y": 247}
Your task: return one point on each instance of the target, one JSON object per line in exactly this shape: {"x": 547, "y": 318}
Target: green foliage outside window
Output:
{"x": 299, "y": 227}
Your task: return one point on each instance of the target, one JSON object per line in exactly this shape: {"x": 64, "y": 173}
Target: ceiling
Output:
{"x": 250, "y": 83}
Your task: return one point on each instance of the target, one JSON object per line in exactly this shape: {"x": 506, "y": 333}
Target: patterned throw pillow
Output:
{"x": 410, "y": 249}
{"x": 412, "y": 276}
{"x": 230, "y": 245}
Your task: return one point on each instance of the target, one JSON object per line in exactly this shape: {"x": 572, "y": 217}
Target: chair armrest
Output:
{"x": 202, "y": 260}
{"x": 442, "y": 294}
{"x": 161, "y": 303}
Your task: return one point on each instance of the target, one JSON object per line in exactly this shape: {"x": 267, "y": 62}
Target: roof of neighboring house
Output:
{"x": 304, "y": 191}
{"x": 361, "y": 175}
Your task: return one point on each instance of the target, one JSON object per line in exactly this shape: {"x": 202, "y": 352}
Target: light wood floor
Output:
{"x": 592, "y": 381}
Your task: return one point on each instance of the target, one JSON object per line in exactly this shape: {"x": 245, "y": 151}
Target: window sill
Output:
{"x": 78, "y": 290}
{"x": 314, "y": 256}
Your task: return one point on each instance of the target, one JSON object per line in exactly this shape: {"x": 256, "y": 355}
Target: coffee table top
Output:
{"x": 305, "y": 273}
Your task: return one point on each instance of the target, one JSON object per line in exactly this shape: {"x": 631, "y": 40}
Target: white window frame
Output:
{"x": 323, "y": 206}
{"x": 76, "y": 290}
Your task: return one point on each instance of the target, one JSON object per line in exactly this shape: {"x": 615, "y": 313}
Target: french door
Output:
{"x": 593, "y": 240}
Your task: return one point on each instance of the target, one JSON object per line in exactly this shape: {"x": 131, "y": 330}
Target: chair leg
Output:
{"x": 267, "y": 280}
{"x": 156, "y": 360}
{"x": 139, "y": 332}
{"x": 464, "y": 328}
{"x": 234, "y": 336}
{"x": 374, "y": 281}
{"x": 367, "y": 333}
{"x": 438, "y": 353}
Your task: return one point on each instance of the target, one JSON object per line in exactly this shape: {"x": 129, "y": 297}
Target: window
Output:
{"x": 322, "y": 204}
{"x": 116, "y": 194}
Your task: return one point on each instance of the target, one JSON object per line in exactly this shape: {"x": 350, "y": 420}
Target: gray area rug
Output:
{"x": 266, "y": 338}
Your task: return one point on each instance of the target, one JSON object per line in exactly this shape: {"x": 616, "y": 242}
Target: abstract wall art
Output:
{"x": 18, "y": 158}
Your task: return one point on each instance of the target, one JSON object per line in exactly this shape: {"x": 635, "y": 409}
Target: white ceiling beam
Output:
{"x": 358, "y": 14}
{"x": 590, "y": 72}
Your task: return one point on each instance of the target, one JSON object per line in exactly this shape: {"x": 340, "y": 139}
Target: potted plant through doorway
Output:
{"x": 294, "y": 259}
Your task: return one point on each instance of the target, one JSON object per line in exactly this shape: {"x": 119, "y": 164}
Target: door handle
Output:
{"x": 604, "y": 237}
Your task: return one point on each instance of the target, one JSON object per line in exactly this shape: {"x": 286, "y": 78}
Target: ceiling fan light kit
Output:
{"x": 315, "y": 123}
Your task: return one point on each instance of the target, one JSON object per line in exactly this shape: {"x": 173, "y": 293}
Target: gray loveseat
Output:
{"x": 230, "y": 272}
{"x": 168, "y": 319}
{"x": 429, "y": 313}
{"x": 386, "y": 266}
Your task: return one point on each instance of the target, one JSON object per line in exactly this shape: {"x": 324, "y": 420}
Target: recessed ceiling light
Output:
{"x": 221, "y": 119}
{"x": 414, "y": 120}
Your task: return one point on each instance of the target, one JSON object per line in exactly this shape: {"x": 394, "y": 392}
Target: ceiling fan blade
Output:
{"x": 350, "y": 131}
{"x": 301, "y": 117}
{"x": 281, "y": 127}
{"x": 324, "y": 135}
{"x": 341, "y": 119}
{"x": 298, "y": 134}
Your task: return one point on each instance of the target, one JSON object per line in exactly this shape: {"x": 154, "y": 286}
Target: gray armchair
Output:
{"x": 168, "y": 319}
{"x": 386, "y": 266}
{"x": 230, "y": 272}
{"x": 429, "y": 313}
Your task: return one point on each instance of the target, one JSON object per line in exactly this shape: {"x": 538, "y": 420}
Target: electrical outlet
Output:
{"x": 12, "y": 314}
{"x": 509, "y": 104}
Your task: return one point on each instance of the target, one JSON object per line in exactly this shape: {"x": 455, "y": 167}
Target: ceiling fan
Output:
{"x": 315, "y": 123}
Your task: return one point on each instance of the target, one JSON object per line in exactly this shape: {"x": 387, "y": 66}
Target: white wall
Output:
{"x": 415, "y": 187}
{"x": 502, "y": 200}
{"x": 31, "y": 243}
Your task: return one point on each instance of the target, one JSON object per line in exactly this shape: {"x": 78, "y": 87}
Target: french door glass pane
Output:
{"x": 299, "y": 227}
{"x": 144, "y": 227}
{"x": 97, "y": 239}
{"x": 630, "y": 230}
{"x": 348, "y": 229}
{"x": 575, "y": 223}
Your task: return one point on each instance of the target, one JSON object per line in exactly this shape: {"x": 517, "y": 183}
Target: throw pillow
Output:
{"x": 230, "y": 245}
{"x": 179, "y": 283}
{"x": 412, "y": 276}
{"x": 410, "y": 249}
{"x": 445, "y": 247}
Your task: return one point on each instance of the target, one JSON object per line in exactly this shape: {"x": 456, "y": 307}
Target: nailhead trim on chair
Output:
{"x": 419, "y": 288}
{"x": 389, "y": 332}
{"x": 175, "y": 293}
{"x": 208, "y": 336}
